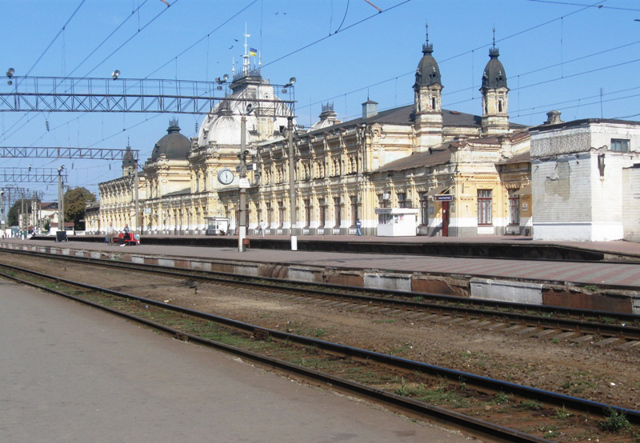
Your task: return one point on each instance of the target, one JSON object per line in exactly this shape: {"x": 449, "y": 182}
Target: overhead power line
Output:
{"x": 470, "y": 51}
{"x": 55, "y": 38}
{"x": 599, "y": 5}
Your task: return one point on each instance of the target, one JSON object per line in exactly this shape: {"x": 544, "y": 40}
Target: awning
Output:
{"x": 525, "y": 190}
{"x": 438, "y": 190}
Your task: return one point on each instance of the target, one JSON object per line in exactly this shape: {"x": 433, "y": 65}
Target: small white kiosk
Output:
{"x": 217, "y": 225}
{"x": 397, "y": 222}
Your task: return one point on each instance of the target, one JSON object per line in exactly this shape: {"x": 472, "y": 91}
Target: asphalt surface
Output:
{"x": 71, "y": 373}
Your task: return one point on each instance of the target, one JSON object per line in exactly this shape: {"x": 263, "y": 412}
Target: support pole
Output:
{"x": 61, "y": 202}
{"x": 242, "y": 228}
{"x": 292, "y": 186}
{"x": 135, "y": 193}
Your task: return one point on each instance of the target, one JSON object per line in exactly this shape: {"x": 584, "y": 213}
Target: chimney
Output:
{"x": 553, "y": 118}
{"x": 369, "y": 109}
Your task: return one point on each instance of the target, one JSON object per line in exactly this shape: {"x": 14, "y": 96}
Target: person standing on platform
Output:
{"x": 126, "y": 235}
{"x": 110, "y": 234}
{"x": 262, "y": 228}
{"x": 358, "y": 226}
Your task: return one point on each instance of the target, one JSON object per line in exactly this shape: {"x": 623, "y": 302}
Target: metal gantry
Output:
{"x": 60, "y": 94}
{"x": 60, "y": 152}
{"x": 37, "y": 175}
{"x": 65, "y": 94}
{"x": 11, "y": 194}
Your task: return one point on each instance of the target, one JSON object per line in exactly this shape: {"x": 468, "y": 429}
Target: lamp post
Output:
{"x": 292, "y": 186}
{"x": 242, "y": 183}
{"x": 292, "y": 173}
{"x": 61, "y": 204}
{"x": 135, "y": 193}
{"x": 21, "y": 223}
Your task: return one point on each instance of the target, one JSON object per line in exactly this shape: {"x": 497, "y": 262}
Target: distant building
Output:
{"x": 467, "y": 175}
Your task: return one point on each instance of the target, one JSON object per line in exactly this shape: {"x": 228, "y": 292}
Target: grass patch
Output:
{"x": 615, "y": 422}
{"x": 549, "y": 431}
{"x": 607, "y": 320}
{"x": 578, "y": 382}
{"x": 561, "y": 413}
{"x": 500, "y": 398}
{"x": 360, "y": 375}
{"x": 530, "y": 405}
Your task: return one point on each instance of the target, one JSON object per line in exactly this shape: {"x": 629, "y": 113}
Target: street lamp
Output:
{"x": 242, "y": 172}
{"x": 62, "y": 237}
{"x": 221, "y": 80}
{"x": 292, "y": 185}
{"x": 292, "y": 173}
{"x": 10, "y": 73}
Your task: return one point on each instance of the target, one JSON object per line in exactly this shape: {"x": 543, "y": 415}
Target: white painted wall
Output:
{"x": 573, "y": 200}
{"x": 631, "y": 203}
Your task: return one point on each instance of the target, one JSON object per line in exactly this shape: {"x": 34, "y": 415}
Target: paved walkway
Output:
{"x": 599, "y": 274}
{"x": 72, "y": 373}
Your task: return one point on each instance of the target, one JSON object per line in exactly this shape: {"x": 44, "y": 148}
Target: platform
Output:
{"x": 74, "y": 373}
{"x": 591, "y": 285}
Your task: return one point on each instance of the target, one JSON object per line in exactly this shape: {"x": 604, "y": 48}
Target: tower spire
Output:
{"x": 245, "y": 56}
{"x": 427, "y": 48}
{"x": 493, "y": 51}
{"x": 427, "y": 29}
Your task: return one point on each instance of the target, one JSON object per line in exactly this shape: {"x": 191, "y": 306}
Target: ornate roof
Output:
{"x": 174, "y": 145}
{"x": 428, "y": 72}
{"x": 494, "y": 76}
{"x": 127, "y": 159}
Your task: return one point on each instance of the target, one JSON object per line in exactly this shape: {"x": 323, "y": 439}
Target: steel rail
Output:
{"x": 479, "y": 308}
{"x": 477, "y": 427}
{"x": 544, "y": 396}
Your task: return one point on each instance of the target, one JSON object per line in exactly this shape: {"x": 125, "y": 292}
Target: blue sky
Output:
{"x": 572, "y": 55}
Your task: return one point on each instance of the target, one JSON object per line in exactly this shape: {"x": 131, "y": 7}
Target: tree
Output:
{"x": 14, "y": 212}
{"x": 75, "y": 203}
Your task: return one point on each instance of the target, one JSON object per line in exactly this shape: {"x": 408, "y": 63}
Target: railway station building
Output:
{"x": 464, "y": 174}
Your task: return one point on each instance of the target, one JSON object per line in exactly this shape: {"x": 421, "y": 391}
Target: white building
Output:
{"x": 581, "y": 173}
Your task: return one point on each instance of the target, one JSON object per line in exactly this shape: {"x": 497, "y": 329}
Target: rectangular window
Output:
{"x": 514, "y": 209}
{"x": 382, "y": 200}
{"x": 323, "y": 212}
{"x": 484, "y": 207}
{"x": 402, "y": 200}
{"x": 280, "y": 213}
{"x": 338, "y": 211}
{"x": 354, "y": 209}
{"x": 619, "y": 145}
{"x": 424, "y": 209}
{"x": 269, "y": 214}
{"x": 307, "y": 212}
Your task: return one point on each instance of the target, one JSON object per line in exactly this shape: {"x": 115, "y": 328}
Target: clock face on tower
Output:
{"x": 225, "y": 176}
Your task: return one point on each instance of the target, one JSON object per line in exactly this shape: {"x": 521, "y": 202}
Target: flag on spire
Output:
{"x": 253, "y": 52}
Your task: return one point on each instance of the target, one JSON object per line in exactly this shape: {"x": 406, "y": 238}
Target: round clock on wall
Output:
{"x": 225, "y": 176}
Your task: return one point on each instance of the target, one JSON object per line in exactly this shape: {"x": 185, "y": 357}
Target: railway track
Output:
{"x": 552, "y": 323}
{"x": 301, "y": 356}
